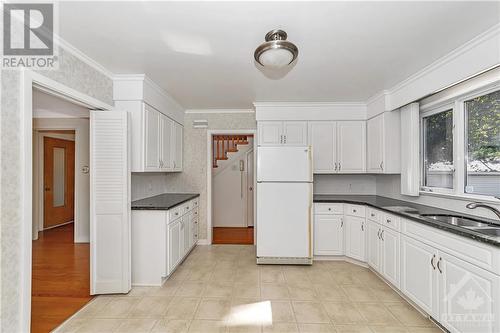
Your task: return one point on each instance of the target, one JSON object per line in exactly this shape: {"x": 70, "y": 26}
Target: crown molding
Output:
{"x": 310, "y": 104}
{"x": 493, "y": 32}
{"x": 215, "y": 111}
{"x": 82, "y": 56}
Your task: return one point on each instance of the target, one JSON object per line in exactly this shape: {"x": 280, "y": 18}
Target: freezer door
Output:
{"x": 284, "y": 220}
{"x": 284, "y": 164}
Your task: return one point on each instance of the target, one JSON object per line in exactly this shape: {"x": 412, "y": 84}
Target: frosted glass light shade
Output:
{"x": 276, "y": 58}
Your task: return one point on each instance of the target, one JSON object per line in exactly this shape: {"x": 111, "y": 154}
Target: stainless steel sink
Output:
{"x": 471, "y": 224}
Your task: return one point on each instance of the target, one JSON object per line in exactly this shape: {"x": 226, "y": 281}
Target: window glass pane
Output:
{"x": 483, "y": 144}
{"x": 438, "y": 150}
{"x": 58, "y": 177}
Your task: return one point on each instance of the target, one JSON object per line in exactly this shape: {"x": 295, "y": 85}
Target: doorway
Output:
{"x": 60, "y": 279}
{"x": 232, "y": 188}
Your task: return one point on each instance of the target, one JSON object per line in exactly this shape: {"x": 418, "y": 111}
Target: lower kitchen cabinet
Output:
{"x": 373, "y": 245}
{"x": 161, "y": 239}
{"x": 328, "y": 235}
{"x": 174, "y": 245}
{"x": 389, "y": 250}
{"x": 467, "y": 292}
{"x": 418, "y": 276}
{"x": 355, "y": 237}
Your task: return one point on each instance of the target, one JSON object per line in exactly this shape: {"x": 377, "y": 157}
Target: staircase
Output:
{"x": 223, "y": 144}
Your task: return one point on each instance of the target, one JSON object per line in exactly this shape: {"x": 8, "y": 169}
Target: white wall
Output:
{"x": 82, "y": 180}
{"x": 345, "y": 184}
{"x": 148, "y": 184}
{"x": 229, "y": 208}
{"x": 390, "y": 186}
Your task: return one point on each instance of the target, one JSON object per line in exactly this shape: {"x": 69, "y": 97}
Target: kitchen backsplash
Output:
{"x": 345, "y": 184}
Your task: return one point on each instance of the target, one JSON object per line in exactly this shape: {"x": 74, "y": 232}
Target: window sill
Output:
{"x": 463, "y": 197}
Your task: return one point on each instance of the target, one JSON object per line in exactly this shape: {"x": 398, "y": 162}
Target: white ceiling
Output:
{"x": 202, "y": 52}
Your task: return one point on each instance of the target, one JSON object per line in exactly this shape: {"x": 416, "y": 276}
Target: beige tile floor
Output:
{"x": 221, "y": 289}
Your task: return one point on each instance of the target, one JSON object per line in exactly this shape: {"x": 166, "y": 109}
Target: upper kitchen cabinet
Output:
{"x": 338, "y": 146}
{"x": 156, "y": 124}
{"x": 286, "y": 133}
{"x": 383, "y": 136}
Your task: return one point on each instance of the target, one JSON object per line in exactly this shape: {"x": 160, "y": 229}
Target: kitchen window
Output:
{"x": 460, "y": 145}
{"x": 438, "y": 149}
{"x": 482, "y": 133}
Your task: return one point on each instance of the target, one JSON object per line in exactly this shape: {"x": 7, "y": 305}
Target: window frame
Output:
{"x": 441, "y": 107}
{"x": 460, "y": 153}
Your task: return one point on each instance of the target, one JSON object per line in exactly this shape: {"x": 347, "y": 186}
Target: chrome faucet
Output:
{"x": 474, "y": 205}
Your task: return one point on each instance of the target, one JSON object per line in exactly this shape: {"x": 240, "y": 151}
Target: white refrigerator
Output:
{"x": 284, "y": 205}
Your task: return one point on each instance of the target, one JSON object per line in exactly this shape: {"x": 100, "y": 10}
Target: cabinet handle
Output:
{"x": 340, "y": 167}
{"x": 372, "y": 215}
{"x": 382, "y": 165}
{"x": 439, "y": 265}
{"x": 378, "y": 233}
{"x": 284, "y": 139}
{"x": 354, "y": 210}
{"x": 281, "y": 138}
{"x": 341, "y": 222}
{"x": 362, "y": 227}
{"x": 432, "y": 262}
{"x": 382, "y": 235}
{"x": 388, "y": 220}
{"x": 335, "y": 166}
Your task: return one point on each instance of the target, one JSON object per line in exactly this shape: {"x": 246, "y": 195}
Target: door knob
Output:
{"x": 47, "y": 189}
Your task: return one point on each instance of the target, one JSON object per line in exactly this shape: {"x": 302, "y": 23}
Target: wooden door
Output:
{"x": 351, "y": 146}
{"x": 328, "y": 235}
{"x": 59, "y": 181}
{"x": 323, "y": 139}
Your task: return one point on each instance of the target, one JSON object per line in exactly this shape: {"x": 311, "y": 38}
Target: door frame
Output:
{"x": 29, "y": 80}
{"x": 211, "y": 132}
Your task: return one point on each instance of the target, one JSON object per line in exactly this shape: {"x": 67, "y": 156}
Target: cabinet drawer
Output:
{"x": 355, "y": 210}
{"x": 391, "y": 221}
{"x": 174, "y": 213}
{"x": 374, "y": 215}
{"x": 328, "y": 208}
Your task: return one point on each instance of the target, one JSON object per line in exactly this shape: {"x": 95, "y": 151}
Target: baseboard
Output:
{"x": 203, "y": 242}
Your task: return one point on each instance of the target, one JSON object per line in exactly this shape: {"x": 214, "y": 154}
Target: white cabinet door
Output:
{"x": 355, "y": 237}
{"x": 295, "y": 133}
{"x": 373, "y": 245}
{"x": 177, "y": 144}
{"x": 351, "y": 146}
{"x": 375, "y": 144}
{"x": 166, "y": 129}
{"x": 152, "y": 139}
{"x": 173, "y": 245}
{"x": 390, "y": 255}
{"x": 328, "y": 235}
{"x": 323, "y": 139}
{"x": 270, "y": 133}
{"x": 418, "y": 274}
{"x": 187, "y": 233}
{"x": 469, "y": 296}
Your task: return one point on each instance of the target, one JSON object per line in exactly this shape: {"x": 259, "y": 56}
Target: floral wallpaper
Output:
{"x": 77, "y": 75}
{"x": 194, "y": 175}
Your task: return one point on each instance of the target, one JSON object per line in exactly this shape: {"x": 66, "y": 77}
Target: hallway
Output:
{"x": 60, "y": 278}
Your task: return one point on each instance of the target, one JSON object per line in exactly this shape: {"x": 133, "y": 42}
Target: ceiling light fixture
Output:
{"x": 276, "y": 51}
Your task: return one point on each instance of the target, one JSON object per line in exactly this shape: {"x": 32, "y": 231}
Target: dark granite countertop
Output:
{"x": 163, "y": 201}
{"x": 386, "y": 204}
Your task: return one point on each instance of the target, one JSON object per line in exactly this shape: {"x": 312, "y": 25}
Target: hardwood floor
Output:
{"x": 232, "y": 235}
{"x": 60, "y": 278}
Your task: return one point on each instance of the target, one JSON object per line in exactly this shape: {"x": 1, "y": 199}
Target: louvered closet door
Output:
{"x": 109, "y": 202}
